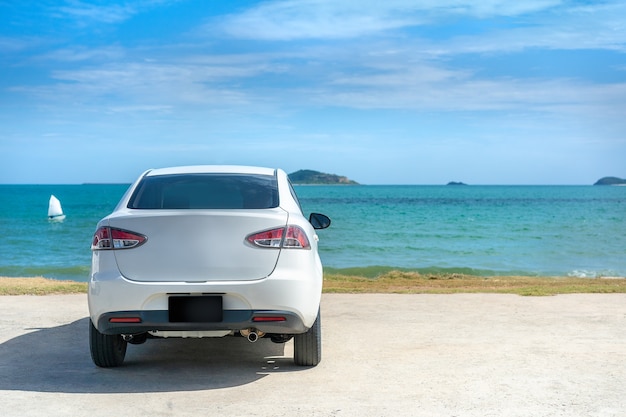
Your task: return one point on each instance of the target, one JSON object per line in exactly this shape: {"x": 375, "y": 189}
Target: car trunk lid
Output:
{"x": 197, "y": 245}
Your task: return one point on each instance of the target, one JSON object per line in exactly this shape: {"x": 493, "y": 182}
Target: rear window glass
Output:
{"x": 206, "y": 191}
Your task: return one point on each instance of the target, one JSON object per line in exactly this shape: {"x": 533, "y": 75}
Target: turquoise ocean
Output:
{"x": 480, "y": 230}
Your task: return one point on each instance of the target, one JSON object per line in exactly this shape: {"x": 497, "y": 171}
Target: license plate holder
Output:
{"x": 195, "y": 309}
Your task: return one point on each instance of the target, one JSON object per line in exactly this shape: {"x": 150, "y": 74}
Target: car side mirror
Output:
{"x": 319, "y": 221}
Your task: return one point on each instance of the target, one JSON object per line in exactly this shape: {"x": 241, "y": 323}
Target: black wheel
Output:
{"x": 307, "y": 347}
{"x": 107, "y": 351}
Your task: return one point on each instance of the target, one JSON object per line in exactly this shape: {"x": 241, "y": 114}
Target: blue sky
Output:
{"x": 384, "y": 92}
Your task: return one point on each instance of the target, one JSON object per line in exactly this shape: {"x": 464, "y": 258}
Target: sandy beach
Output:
{"x": 383, "y": 355}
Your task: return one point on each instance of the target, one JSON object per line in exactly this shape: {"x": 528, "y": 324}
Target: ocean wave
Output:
{"x": 582, "y": 273}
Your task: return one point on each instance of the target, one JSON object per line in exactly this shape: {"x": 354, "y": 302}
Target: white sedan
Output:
{"x": 206, "y": 251}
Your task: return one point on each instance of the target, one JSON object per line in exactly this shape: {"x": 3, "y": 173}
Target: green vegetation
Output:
{"x": 307, "y": 176}
{"x": 610, "y": 181}
{"x": 40, "y": 286}
{"x": 407, "y": 282}
{"x": 392, "y": 281}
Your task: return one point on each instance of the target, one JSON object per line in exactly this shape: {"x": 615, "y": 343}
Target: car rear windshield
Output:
{"x": 206, "y": 191}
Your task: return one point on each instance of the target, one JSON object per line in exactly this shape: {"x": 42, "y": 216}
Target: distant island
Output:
{"x": 610, "y": 181}
{"x": 456, "y": 183}
{"x": 307, "y": 176}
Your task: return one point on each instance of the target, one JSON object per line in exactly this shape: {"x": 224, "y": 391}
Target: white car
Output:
{"x": 206, "y": 251}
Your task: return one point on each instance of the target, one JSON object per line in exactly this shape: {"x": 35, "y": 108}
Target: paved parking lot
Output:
{"x": 383, "y": 355}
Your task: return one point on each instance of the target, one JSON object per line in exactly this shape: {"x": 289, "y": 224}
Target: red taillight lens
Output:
{"x": 112, "y": 238}
{"x": 101, "y": 239}
{"x": 265, "y": 319}
{"x": 296, "y": 238}
{"x": 125, "y": 320}
{"x": 267, "y": 239}
{"x": 291, "y": 237}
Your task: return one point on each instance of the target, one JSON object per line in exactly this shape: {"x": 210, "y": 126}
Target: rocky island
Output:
{"x": 610, "y": 181}
{"x": 308, "y": 177}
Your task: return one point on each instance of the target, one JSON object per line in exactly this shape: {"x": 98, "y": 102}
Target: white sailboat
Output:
{"x": 55, "y": 212}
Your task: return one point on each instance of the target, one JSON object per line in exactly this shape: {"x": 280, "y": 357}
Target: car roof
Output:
{"x": 212, "y": 169}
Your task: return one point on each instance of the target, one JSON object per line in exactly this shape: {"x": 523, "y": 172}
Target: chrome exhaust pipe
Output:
{"x": 251, "y": 334}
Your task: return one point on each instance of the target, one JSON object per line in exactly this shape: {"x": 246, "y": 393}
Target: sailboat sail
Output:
{"x": 55, "y": 212}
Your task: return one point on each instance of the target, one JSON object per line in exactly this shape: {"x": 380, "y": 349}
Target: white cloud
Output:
{"x": 541, "y": 23}
{"x": 431, "y": 88}
{"x": 82, "y": 53}
{"x": 329, "y": 19}
{"x": 372, "y": 77}
{"x": 153, "y": 108}
{"x": 192, "y": 80}
{"x": 15, "y": 44}
{"x": 395, "y": 73}
{"x": 600, "y": 27}
{"x": 86, "y": 12}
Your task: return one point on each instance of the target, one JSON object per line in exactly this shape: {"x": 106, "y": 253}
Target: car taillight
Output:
{"x": 112, "y": 238}
{"x": 296, "y": 238}
{"x": 290, "y": 237}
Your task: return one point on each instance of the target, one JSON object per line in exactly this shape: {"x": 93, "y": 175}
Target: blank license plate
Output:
{"x": 195, "y": 309}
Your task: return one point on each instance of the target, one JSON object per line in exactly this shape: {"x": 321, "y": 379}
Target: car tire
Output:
{"x": 107, "y": 351}
{"x": 307, "y": 347}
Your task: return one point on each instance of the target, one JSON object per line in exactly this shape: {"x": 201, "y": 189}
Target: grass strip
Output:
{"x": 406, "y": 282}
{"x": 395, "y": 282}
{"x": 40, "y": 286}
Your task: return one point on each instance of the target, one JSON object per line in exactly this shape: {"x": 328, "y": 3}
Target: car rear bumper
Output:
{"x": 159, "y": 320}
{"x": 286, "y": 293}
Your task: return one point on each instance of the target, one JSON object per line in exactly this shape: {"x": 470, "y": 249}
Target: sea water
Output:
{"x": 481, "y": 230}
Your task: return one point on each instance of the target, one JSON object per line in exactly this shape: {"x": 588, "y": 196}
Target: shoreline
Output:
{"x": 390, "y": 282}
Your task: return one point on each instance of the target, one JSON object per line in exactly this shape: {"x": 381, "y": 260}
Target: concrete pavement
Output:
{"x": 383, "y": 355}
